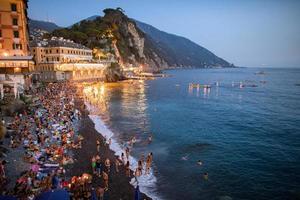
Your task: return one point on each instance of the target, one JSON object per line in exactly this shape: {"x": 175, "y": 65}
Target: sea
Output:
{"x": 244, "y": 129}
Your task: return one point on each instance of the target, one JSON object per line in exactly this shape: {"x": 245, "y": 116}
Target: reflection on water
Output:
{"x": 96, "y": 96}
{"x": 123, "y": 109}
{"x": 112, "y": 100}
{"x": 246, "y": 137}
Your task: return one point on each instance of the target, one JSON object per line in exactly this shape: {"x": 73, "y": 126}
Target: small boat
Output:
{"x": 197, "y": 85}
{"x": 260, "y": 73}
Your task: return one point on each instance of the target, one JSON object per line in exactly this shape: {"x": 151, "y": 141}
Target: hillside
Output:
{"x": 179, "y": 51}
{"x": 42, "y": 25}
{"x": 134, "y": 43}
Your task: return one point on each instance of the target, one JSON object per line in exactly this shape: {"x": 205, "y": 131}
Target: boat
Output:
{"x": 260, "y": 73}
{"x": 197, "y": 85}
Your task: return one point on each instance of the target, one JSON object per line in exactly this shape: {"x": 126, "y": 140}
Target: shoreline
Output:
{"x": 119, "y": 184}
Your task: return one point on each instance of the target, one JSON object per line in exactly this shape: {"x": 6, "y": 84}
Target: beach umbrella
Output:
{"x": 137, "y": 193}
{"x": 54, "y": 195}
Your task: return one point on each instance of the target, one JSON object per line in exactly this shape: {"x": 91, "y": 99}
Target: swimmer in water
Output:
{"x": 185, "y": 157}
{"x": 133, "y": 140}
{"x": 199, "y": 162}
{"x": 205, "y": 176}
{"x": 148, "y": 164}
{"x": 98, "y": 145}
{"x": 150, "y": 139}
{"x": 123, "y": 158}
{"x": 127, "y": 153}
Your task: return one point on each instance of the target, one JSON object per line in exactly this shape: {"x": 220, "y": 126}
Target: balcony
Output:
{"x": 16, "y": 40}
{"x": 15, "y": 27}
{"x": 14, "y": 14}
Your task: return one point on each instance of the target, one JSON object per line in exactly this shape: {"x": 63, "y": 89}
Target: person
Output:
{"x": 142, "y": 160}
{"x": 107, "y": 164}
{"x": 133, "y": 140}
{"x": 98, "y": 146}
{"x": 199, "y": 162}
{"x": 117, "y": 164}
{"x": 94, "y": 164}
{"x": 137, "y": 195}
{"x": 105, "y": 179}
{"x": 98, "y": 166}
{"x": 127, "y": 169}
{"x": 150, "y": 139}
{"x": 140, "y": 168}
{"x": 123, "y": 158}
{"x": 55, "y": 182}
{"x": 2, "y": 169}
{"x": 127, "y": 153}
{"x": 100, "y": 193}
{"x": 205, "y": 176}
{"x": 137, "y": 172}
{"x": 148, "y": 164}
{"x": 151, "y": 157}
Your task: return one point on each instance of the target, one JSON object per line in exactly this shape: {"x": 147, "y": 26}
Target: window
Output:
{"x": 50, "y": 51}
{"x": 13, "y": 7}
{"x": 56, "y": 50}
{"x": 17, "y": 46}
{"x": 0, "y": 33}
{"x": 15, "y": 21}
{"x": 46, "y": 51}
{"x": 16, "y": 34}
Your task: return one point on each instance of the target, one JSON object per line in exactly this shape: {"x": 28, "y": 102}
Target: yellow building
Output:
{"x": 15, "y": 61}
{"x": 58, "y": 59}
{"x": 13, "y": 28}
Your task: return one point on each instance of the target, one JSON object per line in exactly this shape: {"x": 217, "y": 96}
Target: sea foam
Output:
{"x": 147, "y": 183}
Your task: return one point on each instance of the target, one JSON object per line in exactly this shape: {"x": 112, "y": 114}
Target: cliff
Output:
{"x": 134, "y": 43}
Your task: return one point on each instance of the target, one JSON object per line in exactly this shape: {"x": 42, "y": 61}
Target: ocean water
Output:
{"x": 248, "y": 139}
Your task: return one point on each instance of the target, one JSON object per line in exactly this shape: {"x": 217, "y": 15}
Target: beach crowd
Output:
{"x": 47, "y": 131}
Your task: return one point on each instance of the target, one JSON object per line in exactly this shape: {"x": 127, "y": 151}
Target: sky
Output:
{"x": 251, "y": 33}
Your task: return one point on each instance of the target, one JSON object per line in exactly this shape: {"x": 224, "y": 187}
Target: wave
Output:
{"x": 147, "y": 183}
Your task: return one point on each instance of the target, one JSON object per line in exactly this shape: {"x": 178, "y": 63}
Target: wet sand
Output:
{"x": 119, "y": 186}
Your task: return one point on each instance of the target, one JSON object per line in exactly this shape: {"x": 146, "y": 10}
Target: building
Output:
{"x": 13, "y": 28}
{"x": 15, "y": 61}
{"x": 58, "y": 59}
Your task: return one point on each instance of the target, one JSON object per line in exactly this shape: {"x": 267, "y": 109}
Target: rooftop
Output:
{"x": 57, "y": 42}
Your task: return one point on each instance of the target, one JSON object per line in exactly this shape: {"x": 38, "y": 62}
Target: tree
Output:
{"x": 120, "y": 9}
{"x": 79, "y": 37}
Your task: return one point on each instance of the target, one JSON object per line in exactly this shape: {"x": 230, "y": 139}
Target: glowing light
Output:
{"x": 5, "y": 54}
{"x": 17, "y": 69}
{"x": 102, "y": 90}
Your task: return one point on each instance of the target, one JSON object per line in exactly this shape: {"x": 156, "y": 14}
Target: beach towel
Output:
{"x": 35, "y": 167}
